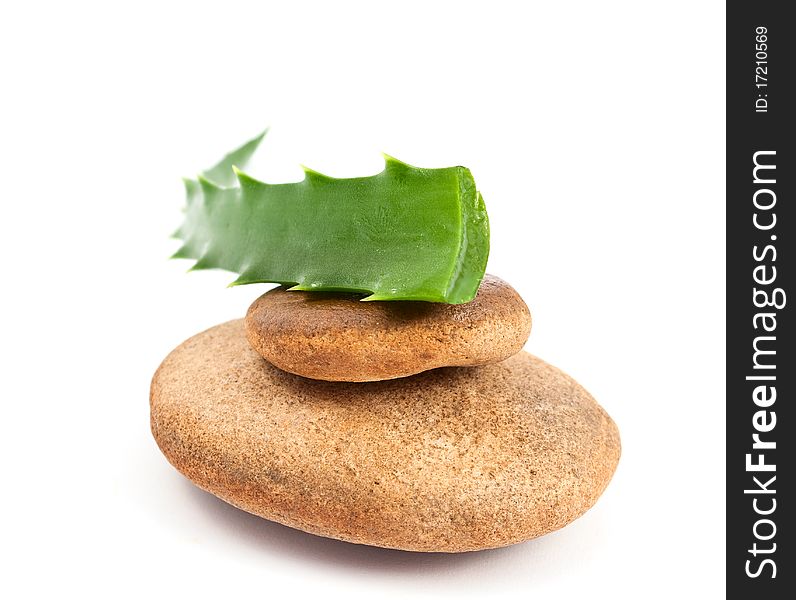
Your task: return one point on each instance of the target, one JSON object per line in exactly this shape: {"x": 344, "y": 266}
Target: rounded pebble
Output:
{"x": 450, "y": 460}
{"x": 338, "y": 337}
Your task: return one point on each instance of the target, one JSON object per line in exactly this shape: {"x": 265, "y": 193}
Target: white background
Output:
{"x": 595, "y": 131}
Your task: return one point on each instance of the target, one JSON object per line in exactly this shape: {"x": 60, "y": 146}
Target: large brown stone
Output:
{"x": 450, "y": 460}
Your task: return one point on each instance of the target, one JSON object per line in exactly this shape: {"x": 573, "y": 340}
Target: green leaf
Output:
{"x": 403, "y": 234}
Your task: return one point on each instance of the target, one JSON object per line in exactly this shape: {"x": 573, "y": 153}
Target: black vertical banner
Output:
{"x": 761, "y": 369}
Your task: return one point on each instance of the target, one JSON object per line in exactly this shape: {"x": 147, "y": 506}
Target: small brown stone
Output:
{"x": 337, "y": 337}
{"x": 450, "y": 460}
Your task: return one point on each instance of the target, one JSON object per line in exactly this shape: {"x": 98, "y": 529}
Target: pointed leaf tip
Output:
{"x": 393, "y": 164}
{"x": 259, "y": 138}
{"x": 209, "y": 188}
{"x": 221, "y": 173}
{"x": 314, "y": 176}
{"x": 244, "y": 278}
{"x": 192, "y": 190}
{"x": 203, "y": 264}
{"x": 244, "y": 179}
{"x": 183, "y": 252}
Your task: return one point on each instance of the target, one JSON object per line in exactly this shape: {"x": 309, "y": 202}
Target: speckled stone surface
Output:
{"x": 450, "y": 460}
{"x": 337, "y": 337}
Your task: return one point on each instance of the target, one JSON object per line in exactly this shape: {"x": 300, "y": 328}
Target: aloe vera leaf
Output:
{"x": 403, "y": 234}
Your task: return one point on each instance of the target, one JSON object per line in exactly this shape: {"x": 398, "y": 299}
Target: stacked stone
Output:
{"x": 408, "y": 425}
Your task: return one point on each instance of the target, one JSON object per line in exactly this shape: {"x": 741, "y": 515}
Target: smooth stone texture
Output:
{"x": 450, "y": 460}
{"x": 337, "y": 337}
